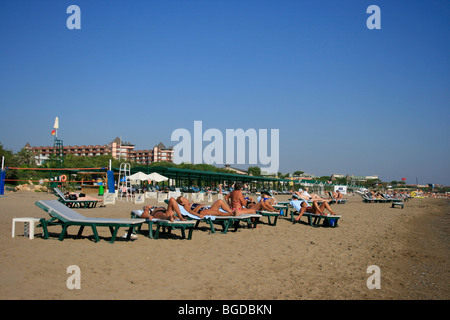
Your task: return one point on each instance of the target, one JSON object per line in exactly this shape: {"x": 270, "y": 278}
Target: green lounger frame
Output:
{"x": 160, "y": 223}
{"x": 90, "y": 203}
{"x": 397, "y": 203}
{"x": 315, "y": 219}
{"x": 63, "y": 216}
{"x": 228, "y": 221}
{"x": 251, "y": 219}
{"x": 270, "y": 215}
{"x": 283, "y": 207}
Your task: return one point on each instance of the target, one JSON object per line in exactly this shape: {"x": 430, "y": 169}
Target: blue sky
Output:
{"x": 346, "y": 99}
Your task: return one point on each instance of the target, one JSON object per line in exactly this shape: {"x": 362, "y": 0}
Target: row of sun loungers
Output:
{"x": 193, "y": 221}
{"x": 62, "y": 214}
{"x": 395, "y": 201}
{"x": 65, "y": 217}
{"x": 368, "y": 199}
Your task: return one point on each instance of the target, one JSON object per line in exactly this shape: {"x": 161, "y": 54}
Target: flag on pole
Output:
{"x": 55, "y": 127}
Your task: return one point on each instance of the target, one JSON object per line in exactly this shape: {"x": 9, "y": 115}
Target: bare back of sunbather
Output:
{"x": 238, "y": 202}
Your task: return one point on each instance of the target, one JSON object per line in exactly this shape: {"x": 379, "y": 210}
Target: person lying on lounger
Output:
{"x": 79, "y": 196}
{"x": 334, "y": 195}
{"x": 337, "y": 195}
{"x": 201, "y": 210}
{"x": 303, "y": 194}
{"x": 172, "y": 212}
{"x": 267, "y": 197}
{"x": 237, "y": 202}
{"x": 302, "y": 206}
{"x": 263, "y": 205}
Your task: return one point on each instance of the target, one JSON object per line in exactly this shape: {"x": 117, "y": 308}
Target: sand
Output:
{"x": 283, "y": 262}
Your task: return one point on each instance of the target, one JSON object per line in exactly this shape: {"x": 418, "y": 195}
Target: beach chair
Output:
{"x": 63, "y": 216}
{"x": 367, "y": 199}
{"x": 283, "y": 207}
{"x": 269, "y": 215}
{"x": 398, "y": 203}
{"x": 315, "y": 219}
{"x": 79, "y": 203}
{"x": 340, "y": 201}
{"x": 161, "y": 223}
{"x": 225, "y": 221}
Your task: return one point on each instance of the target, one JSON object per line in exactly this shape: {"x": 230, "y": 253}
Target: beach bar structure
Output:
{"x": 187, "y": 177}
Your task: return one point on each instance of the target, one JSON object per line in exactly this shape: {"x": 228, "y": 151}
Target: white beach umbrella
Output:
{"x": 154, "y": 176}
{"x": 139, "y": 176}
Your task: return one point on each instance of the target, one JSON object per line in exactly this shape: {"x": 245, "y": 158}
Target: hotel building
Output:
{"x": 117, "y": 149}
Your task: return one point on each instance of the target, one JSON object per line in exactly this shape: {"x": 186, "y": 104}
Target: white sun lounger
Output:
{"x": 63, "y": 216}
{"x": 161, "y": 223}
{"x": 225, "y": 221}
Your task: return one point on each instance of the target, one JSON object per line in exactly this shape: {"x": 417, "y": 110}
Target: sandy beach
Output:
{"x": 283, "y": 262}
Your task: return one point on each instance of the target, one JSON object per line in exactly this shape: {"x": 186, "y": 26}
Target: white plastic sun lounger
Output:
{"x": 177, "y": 224}
{"x": 79, "y": 203}
{"x": 225, "y": 221}
{"x": 63, "y": 216}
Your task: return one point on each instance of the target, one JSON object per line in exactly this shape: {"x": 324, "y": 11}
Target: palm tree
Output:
{"x": 25, "y": 158}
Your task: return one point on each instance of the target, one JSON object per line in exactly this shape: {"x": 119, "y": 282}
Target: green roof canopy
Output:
{"x": 189, "y": 174}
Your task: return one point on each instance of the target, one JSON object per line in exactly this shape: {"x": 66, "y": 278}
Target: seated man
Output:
{"x": 338, "y": 195}
{"x": 302, "y": 206}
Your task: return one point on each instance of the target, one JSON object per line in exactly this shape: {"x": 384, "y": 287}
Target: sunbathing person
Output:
{"x": 267, "y": 197}
{"x": 302, "y": 206}
{"x": 340, "y": 196}
{"x": 171, "y": 213}
{"x": 237, "y": 201}
{"x": 337, "y": 195}
{"x": 79, "y": 196}
{"x": 260, "y": 206}
{"x": 201, "y": 210}
{"x": 303, "y": 194}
